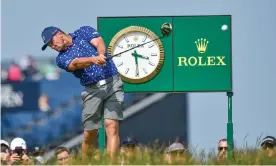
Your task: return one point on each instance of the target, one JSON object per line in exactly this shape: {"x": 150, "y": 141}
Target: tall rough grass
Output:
{"x": 155, "y": 156}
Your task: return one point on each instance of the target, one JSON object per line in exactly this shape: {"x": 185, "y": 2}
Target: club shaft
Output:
{"x": 134, "y": 47}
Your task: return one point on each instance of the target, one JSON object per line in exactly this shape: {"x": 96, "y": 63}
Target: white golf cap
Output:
{"x": 4, "y": 143}
{"x": 175, "y": 147}
{"x": 19, "y": 143}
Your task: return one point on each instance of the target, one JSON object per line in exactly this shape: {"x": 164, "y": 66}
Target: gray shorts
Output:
{"x": 102, "y": 99}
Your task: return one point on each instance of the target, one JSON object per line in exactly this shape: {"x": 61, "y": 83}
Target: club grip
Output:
{"x": 110, "y": 57}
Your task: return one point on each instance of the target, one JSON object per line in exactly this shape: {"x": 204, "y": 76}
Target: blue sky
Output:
{"x": 254, "y": 38}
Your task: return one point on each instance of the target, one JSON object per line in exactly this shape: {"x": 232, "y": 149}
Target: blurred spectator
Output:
{"x": 43, "y": 103}
{"x": 24, "y": 63}
{"x": 5, "y": 153}
{"x": 128, "y": 150}
{"x": 29, "y": 68}
{"x": 33, "y": 70}
{"x": 222, "y": 149}
{"x": 175, "y": 154}
{"x": 19, "y": 153}
{"x": 38, "y": 156}
{"x": 14, "y": 73}
{"x": 38, "y": 160}
{"x": 75, "y": 152}
{"x": 37, "y": 152}
{"x": 269, "y": 146}
{"x": 50, "y": 71}
{"x": 4, "y": 74}
{"x": 62, "y": 155}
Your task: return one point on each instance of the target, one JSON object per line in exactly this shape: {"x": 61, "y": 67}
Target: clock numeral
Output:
{"x": 126, "y": 39}
{"x": 152, "y": 64}
{"x": 119, "y": 64}
{"x": 145, "y": 71}
{"x": 153, "y": 54}
{"x": 151, "y": 45}
{"x": 144, "y": 39}
{"x": 126, "y": 70}
{"x": 120, "y": 46}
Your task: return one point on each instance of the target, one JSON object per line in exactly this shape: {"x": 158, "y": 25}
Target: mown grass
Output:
{"x": 153, "y": 156}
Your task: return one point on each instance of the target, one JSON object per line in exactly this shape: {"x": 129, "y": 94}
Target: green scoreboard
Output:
{"x": 195, "y": 57}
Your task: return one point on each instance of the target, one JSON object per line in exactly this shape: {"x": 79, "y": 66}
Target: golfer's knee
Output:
{"x": 89, "y": 136}
{"x": 111, "y": 127}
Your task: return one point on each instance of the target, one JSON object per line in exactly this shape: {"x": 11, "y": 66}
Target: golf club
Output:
{"x": 166, "y": 30}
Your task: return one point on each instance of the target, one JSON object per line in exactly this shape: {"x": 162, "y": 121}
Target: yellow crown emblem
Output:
{"x": 201, "y": 45}
{"x": 135, "y": 38}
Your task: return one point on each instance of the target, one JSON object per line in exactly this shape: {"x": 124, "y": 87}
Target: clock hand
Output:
{"x": 135, "y": 56}
{"x": 136, "y": 62}
{"x": 140, "y": 56}
{"x": 137, "y": 71}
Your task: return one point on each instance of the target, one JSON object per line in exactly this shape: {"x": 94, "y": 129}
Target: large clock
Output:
{"x": 141, "y": 64}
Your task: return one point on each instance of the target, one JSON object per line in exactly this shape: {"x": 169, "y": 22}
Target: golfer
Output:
{"x": 83, "y": 53}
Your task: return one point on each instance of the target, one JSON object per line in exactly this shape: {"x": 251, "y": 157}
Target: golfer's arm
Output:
{"x": 99, "y": 44}
{"x": 80, "y": 63}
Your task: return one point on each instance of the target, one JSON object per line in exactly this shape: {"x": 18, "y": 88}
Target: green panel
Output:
{"x": 108, "y": 27}
{"x": 202, "y": 71}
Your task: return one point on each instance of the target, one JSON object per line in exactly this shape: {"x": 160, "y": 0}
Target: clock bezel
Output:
{"x": 148, "y": 32}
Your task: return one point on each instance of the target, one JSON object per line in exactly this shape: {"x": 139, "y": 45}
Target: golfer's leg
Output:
{"x": 91, "y": 119}
{"x": 112, "y": 133}
{"x": 113, "y": 106}
{"x": 88, "y": 143}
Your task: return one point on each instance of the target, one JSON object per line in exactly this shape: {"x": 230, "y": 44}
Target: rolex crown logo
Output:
{"x": 135, "y": 38}
{"x": 201, "y": 45}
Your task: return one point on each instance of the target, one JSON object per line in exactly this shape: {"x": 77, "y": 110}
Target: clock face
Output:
{"x": 139, "y": 64}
